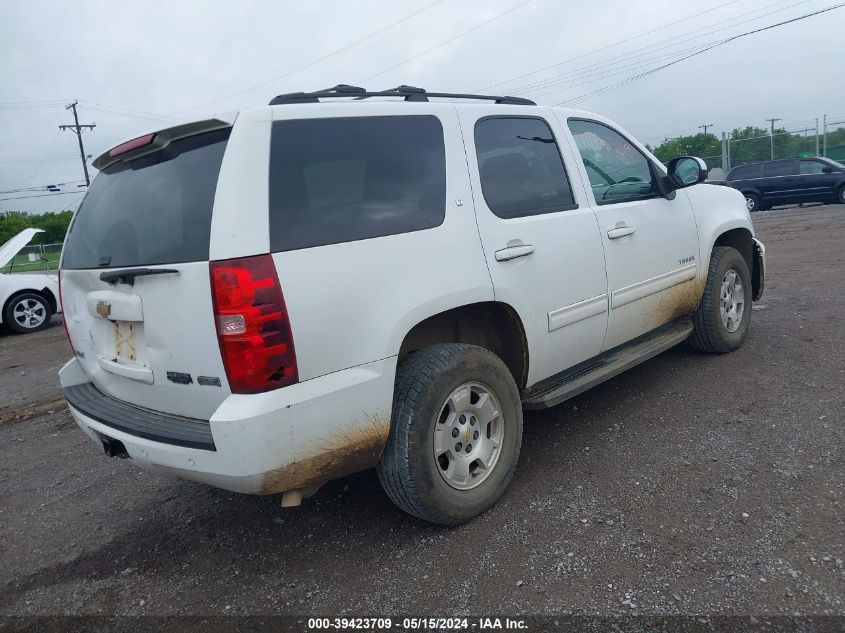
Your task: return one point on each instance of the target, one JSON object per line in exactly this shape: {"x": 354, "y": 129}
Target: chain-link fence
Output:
{"x": 753, "y": 144}
{"x": 35, "y": 258}
{"x": 794, "y": 144}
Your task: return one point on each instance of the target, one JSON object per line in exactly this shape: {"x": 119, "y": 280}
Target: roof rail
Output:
{"x": 409, "y": 93}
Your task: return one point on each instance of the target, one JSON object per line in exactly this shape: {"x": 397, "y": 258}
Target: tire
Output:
{"x": 435, "y": 388}
{"x": 27, "y": 312}
{"x": 840, "y": 195}
{"x": 710, "y": 332}
{"x": 752, "y": 202}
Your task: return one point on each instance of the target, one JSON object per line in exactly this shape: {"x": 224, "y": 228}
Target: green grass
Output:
{"x": 21, "y": 264}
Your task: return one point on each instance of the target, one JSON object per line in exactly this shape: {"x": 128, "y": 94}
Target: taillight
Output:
{"x": 252, "y": 324}
{"x": 135, "y": 143}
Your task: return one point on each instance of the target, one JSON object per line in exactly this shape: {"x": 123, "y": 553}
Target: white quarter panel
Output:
{"x": 353, "y": 302}
{"x": 239, "y": 226}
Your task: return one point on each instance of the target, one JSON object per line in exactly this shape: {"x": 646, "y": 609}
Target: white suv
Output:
{"x": 319, "y": 286}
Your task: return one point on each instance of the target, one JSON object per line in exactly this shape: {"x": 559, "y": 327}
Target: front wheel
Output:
{"x": 721, "y": 321}
{"x": 27, "y": 312}
{"x": 455, "y": 433}
{"x": 840, "y": 196}
{"x": 752, "y": 202}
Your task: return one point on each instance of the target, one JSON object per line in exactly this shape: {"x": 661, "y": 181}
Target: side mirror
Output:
{"x": 685, "y": 171}
{"x": 827, "y": 170}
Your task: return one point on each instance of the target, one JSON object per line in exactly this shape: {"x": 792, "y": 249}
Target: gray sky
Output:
{"x": 136, "y": 67}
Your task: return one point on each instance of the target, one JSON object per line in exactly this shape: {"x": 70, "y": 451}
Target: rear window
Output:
{"x": 339, "y": 180}
{"x": 155, "y": 209}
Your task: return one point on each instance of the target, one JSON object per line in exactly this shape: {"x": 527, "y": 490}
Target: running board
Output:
{"x": 578, "y": 379}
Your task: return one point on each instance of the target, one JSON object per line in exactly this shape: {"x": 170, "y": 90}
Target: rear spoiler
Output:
{"x": 154, "y": 142}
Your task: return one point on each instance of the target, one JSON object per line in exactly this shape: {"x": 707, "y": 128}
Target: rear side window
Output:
{"x": 155, "y": 209}
{"x": 745, "y": 172}
{"x": 339, "y": 180}
{"x": 520, "y": 167}
{"x": 780, "y": 168}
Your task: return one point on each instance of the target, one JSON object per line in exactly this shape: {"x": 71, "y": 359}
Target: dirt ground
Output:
{"x": 692, "y": 484}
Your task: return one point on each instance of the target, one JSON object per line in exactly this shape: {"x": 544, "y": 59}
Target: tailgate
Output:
{"x": 135, "y": 277}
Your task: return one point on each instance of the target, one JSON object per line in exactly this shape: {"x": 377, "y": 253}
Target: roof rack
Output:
{"x": 409, "y": 93}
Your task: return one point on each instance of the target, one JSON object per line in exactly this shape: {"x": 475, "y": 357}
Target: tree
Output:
{"x": 54, "y": 225}
{"x": 706, "y": 146}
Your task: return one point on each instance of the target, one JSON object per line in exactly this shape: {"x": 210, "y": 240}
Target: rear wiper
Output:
{"x": 128, "y": 276}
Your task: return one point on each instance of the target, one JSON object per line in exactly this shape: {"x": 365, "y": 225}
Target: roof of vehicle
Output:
{"x": 408, "y": 93}
{"x": 351, "y": 94}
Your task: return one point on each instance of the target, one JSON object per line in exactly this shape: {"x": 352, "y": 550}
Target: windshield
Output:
{"x": 834, "y": 163}
{"x": 155, "y": 209}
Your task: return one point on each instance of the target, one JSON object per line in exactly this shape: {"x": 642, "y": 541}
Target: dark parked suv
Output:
{"x": 789, "y": 181}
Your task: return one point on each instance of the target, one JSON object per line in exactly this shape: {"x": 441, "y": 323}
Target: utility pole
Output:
{"x": 705, "y": 126}
{"x": 772, "y": 136}
{"x": 77, "y": 129}
{"x": 817, "y": 137}
{"x": 824, "y": 137}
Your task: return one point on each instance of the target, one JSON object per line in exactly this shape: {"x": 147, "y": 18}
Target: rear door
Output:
{"x": 650, "y": 241}
{"x": 541, "y": 240}
{"x": 135, "y": 274}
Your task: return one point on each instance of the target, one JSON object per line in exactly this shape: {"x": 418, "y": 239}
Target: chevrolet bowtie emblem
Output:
{"x": 104, "y": 309}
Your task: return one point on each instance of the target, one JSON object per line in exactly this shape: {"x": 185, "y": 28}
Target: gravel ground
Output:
{"x": 692, "y": 484}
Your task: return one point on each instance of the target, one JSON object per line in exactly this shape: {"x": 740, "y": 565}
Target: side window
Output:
{"x": 520, "y": 166}
{"x": 618, "y": 171}
{"x": 780, "y": 168}
{"x": 811, "y": 167}
{"x": 345, "y": 179}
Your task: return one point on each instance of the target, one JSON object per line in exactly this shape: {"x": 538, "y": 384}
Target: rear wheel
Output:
{"x": 752, "y": 202}
{"x": 840, "y": 195}
{"x": 27, "y": 312}
{"x": 455, "y": 433}
{"x": 721, "y": 321}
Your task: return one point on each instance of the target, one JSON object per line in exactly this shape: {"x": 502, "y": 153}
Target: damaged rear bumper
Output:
{"x": 293, "y": 438}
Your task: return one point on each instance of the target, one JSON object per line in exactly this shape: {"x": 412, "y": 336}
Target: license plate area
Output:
{"x": 126, "y": 340}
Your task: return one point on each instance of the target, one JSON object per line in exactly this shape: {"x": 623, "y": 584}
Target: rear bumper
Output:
{"x": 292, "y": 438}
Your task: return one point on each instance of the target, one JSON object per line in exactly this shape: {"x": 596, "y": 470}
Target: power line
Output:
{"x": 35, "y": 159}
{"x": 601, "y": 67}
{"x": 40, "y": 187}
{"x": 445, "y": 42}
{"x": 44, "y": 195}
{"x": 606, "y": 89}
{"x": 316, "y": 61}
{"x": 604, "y": 48}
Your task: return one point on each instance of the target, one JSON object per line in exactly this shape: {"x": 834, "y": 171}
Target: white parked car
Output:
{"x": 27, "y": 300}
{"x": 269, "y": 301}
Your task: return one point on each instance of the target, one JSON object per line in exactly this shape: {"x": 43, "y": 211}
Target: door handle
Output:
{"x": 620, "y": 231}
{"x": 512, "y": 252}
